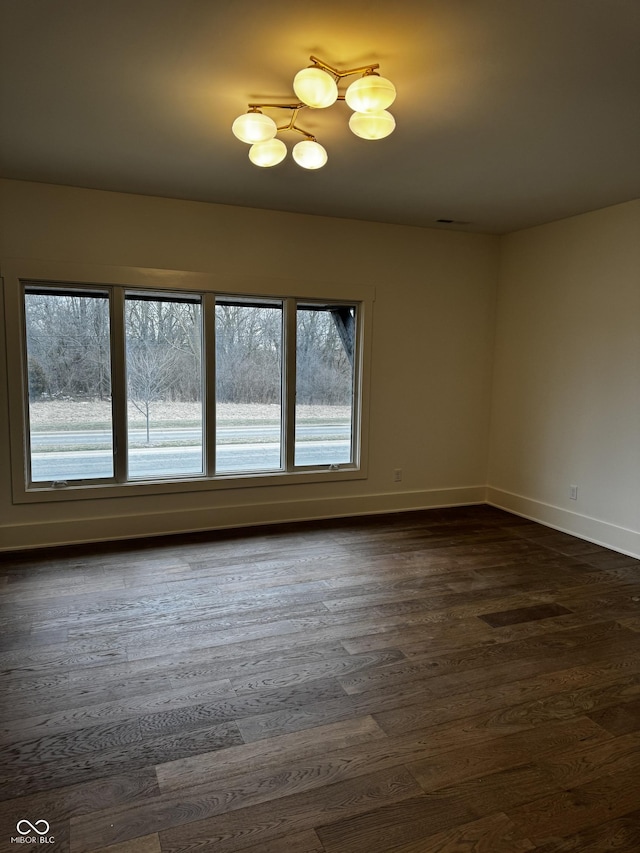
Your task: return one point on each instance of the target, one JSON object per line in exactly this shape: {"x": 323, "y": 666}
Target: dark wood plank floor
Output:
{"x": 450, "y": 680}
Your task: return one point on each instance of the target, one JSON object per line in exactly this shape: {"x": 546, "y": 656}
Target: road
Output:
{"x": 321, "y": 444}
{"x": 235, "y": 434}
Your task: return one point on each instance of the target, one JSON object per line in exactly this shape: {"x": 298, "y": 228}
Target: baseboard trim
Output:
{"x": 79, "y": 531}
{"x": 594, "y": 530}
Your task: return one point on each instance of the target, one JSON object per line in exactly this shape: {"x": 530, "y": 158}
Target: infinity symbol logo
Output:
{"x": 32, "y": 827}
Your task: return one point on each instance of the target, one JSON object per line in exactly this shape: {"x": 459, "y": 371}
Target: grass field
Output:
{"x": 69, "y": 415}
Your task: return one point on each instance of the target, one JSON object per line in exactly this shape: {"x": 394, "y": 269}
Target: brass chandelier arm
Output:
{"x": 297, "y": 106}
{"x": 304, "y": 133}
{"x": 290, "y": 125}
{"x": 336, "y": 71}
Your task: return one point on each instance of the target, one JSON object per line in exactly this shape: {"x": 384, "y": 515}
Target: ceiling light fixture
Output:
{"x": 317, "y": 88}
{"x": 254, "y": 126}
{"x": 268, "y": 153}
{"x": 372, "y": 125}
{"x": 370, "y": 93}
{"x": 309, "y": 154}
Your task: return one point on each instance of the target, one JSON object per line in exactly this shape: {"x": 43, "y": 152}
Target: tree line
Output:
{"x": 68, "y": 350}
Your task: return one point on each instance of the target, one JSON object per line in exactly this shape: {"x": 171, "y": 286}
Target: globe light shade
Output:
{"x": 370, "y": 94}
{"x": 268, "y": 153}
{"x": 315, "y": 87}
{"x": 254, "y": 127}
{"x": 372, "y": 125}
{"x": 309, "y": 154}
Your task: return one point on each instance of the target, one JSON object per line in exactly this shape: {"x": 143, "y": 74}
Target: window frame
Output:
{"x": 18, "y": 273}
{"x": 120, "y": 385}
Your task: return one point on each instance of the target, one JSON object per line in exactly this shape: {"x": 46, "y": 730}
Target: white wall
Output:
{"x": 566, "y": 392}
{"x": 431, "y": 361}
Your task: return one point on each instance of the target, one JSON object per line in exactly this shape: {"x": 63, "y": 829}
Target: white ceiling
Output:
{"x": 509, "y": 113}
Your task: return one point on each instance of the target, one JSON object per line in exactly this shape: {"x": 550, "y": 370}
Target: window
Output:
{"x": 325, "y": 347}
{"x": 143, "y": 388}
{"x": 163, "y": 337}
{"x": 248, "y": 386}
{"x": 68, "y": 359}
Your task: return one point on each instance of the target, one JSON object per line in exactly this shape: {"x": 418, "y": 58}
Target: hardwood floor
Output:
{"x": 431, "y": 682}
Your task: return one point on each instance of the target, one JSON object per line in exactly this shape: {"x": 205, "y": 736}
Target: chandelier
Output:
{"x": 317, "y": 88}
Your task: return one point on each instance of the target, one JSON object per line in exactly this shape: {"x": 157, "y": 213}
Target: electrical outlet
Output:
{"x": 397, "y": 475}
{"x": 573, "y": 493}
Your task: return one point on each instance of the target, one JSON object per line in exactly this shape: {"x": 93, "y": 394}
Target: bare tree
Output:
{"x": 68, "y": 345}
{"x": 68, "y": 350}
{"x": 323, "y": 370}
{"x": 163, "y": 353}
{"x": 150, "y": 373}
{"x": 248, "y": 353}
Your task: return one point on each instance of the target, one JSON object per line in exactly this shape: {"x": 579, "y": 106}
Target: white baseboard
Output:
{"x": 592, "y": 529}
{"x": 110, "y": 528}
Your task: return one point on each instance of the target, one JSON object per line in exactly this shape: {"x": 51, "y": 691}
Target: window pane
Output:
{"x": 248, "y": 387}
{"x": 68, "y": 359}
{"x": 325, "y": 346}
{"x": 164, "y": 386}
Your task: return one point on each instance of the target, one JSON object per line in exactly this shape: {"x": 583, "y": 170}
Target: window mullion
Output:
{"x": 356, "y": 403}
{"x": 209, "y": 382}
{"x": 289, "y": 385}
{"x": 26, "y": 445}
{"x": 119, "y": 386}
